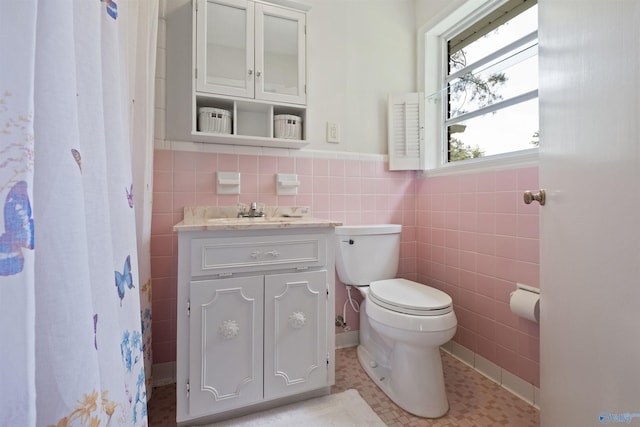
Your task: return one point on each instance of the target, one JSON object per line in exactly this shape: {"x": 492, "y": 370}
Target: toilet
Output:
{"x": 402, "y": 323}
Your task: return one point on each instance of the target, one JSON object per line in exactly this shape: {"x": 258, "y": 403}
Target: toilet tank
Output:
{"x": 366, "y": 253}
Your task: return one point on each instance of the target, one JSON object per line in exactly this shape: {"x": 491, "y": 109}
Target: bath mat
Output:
{"x": 344, "y": 409}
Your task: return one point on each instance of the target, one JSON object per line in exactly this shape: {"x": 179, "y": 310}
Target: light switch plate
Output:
{"x": 333, "y": 132}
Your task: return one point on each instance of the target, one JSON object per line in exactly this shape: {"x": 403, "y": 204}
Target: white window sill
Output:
{"x": 514, "y": 160}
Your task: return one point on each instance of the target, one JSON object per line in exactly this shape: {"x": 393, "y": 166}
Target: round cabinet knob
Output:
{"x": 539, "y": 197}
{"x": 229, "y": 329}
{"x": 297, "y": 319}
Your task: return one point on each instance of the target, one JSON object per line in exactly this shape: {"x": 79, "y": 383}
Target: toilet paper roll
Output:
{"x": 525, "y": 304}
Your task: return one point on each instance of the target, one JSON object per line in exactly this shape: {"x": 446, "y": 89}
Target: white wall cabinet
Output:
{"x": 248, "y": 58}
{"x": 251, "y": 50}
{"x": 255, "y": 310}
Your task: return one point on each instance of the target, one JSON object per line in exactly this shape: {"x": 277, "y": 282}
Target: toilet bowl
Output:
{"x": 402, "y": 323}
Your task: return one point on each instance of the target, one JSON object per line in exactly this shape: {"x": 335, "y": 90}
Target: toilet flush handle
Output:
{"x": 350, "y": 241}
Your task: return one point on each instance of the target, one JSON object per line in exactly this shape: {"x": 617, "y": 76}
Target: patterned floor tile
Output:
{"x": 474, "y": 401}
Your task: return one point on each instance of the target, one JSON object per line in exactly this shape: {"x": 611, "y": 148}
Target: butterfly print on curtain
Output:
{"x": 124, "y": 280}
{"x": 18, "y": 230}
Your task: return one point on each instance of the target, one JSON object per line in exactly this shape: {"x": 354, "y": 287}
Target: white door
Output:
{"x": 590, "y": 225}
{"x": 295, "y": 333}
{"x": 225, "y": 350}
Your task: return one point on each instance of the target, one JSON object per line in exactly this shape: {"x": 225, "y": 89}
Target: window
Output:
{"x": 482, "y": 92}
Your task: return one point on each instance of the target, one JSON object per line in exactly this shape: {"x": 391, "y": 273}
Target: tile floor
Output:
{"x": 474, "y": 400}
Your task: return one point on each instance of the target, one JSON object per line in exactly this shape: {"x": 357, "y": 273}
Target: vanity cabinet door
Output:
{"x": 225, "y": 350}
{"x": 295, "y": 333}
{"x": 225, "y": 47}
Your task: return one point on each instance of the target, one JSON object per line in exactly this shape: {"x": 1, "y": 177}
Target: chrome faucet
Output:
{"x": 253, "y": 212}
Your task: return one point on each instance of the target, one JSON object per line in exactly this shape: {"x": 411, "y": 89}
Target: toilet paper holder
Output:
{"x": 526, "y": 288}
{"x": 525, "y": 302}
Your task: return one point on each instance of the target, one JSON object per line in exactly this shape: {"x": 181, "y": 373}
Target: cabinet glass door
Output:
{"x": 225, "y": 47}
{"x": 280, "y": 54}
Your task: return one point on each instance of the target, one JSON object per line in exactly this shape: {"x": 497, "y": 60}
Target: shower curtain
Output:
{"x": 142, "y": 57}
{"x": 72, "y": 349}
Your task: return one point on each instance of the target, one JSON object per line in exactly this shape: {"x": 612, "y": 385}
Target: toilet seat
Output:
{"x": 405, "y": 296}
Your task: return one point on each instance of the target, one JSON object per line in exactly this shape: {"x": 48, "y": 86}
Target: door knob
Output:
{"x": 538, "y": 197}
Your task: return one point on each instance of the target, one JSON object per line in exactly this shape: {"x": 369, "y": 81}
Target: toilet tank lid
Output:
{"x": 354, "y": 230}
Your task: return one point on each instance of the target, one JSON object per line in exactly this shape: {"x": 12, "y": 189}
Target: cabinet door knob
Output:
{"x": 297, "y": 319}
{"x": 229, "y": 329}
{"x": 258, "y": 73}
{"x": 250, "y": 71}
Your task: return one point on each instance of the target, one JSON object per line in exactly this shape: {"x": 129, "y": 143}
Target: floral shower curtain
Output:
{"x": 72, "y": 344}
{"x": 142, "y": 55}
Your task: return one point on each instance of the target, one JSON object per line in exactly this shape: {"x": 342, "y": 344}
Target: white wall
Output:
{"x": 427, "y": 9}
{"x": 359, "y": 52}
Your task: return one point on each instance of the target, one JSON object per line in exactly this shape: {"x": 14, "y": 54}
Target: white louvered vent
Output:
{"x": 406, "y": 131}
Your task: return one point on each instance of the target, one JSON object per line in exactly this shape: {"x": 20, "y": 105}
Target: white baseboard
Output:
{"x": 347, "y": 339}
{"x": 163, "y": 373}
{"x": 510, "y": 382}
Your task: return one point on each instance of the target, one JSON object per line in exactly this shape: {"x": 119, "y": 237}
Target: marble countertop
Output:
{"x": 225, "y": 218}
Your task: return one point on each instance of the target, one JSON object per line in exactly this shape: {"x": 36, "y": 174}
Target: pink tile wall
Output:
{"x": 475, "y": 240}
{"x": 349, "y": 191}
{"x": 469, "y": 235}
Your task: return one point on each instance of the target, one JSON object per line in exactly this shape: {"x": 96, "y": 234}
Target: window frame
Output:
{"x": 433, "y": 60}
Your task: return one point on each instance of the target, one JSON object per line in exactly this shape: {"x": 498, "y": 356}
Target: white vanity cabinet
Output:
{"x": 255, "y": 310}
{"x": 248, "y": 58}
